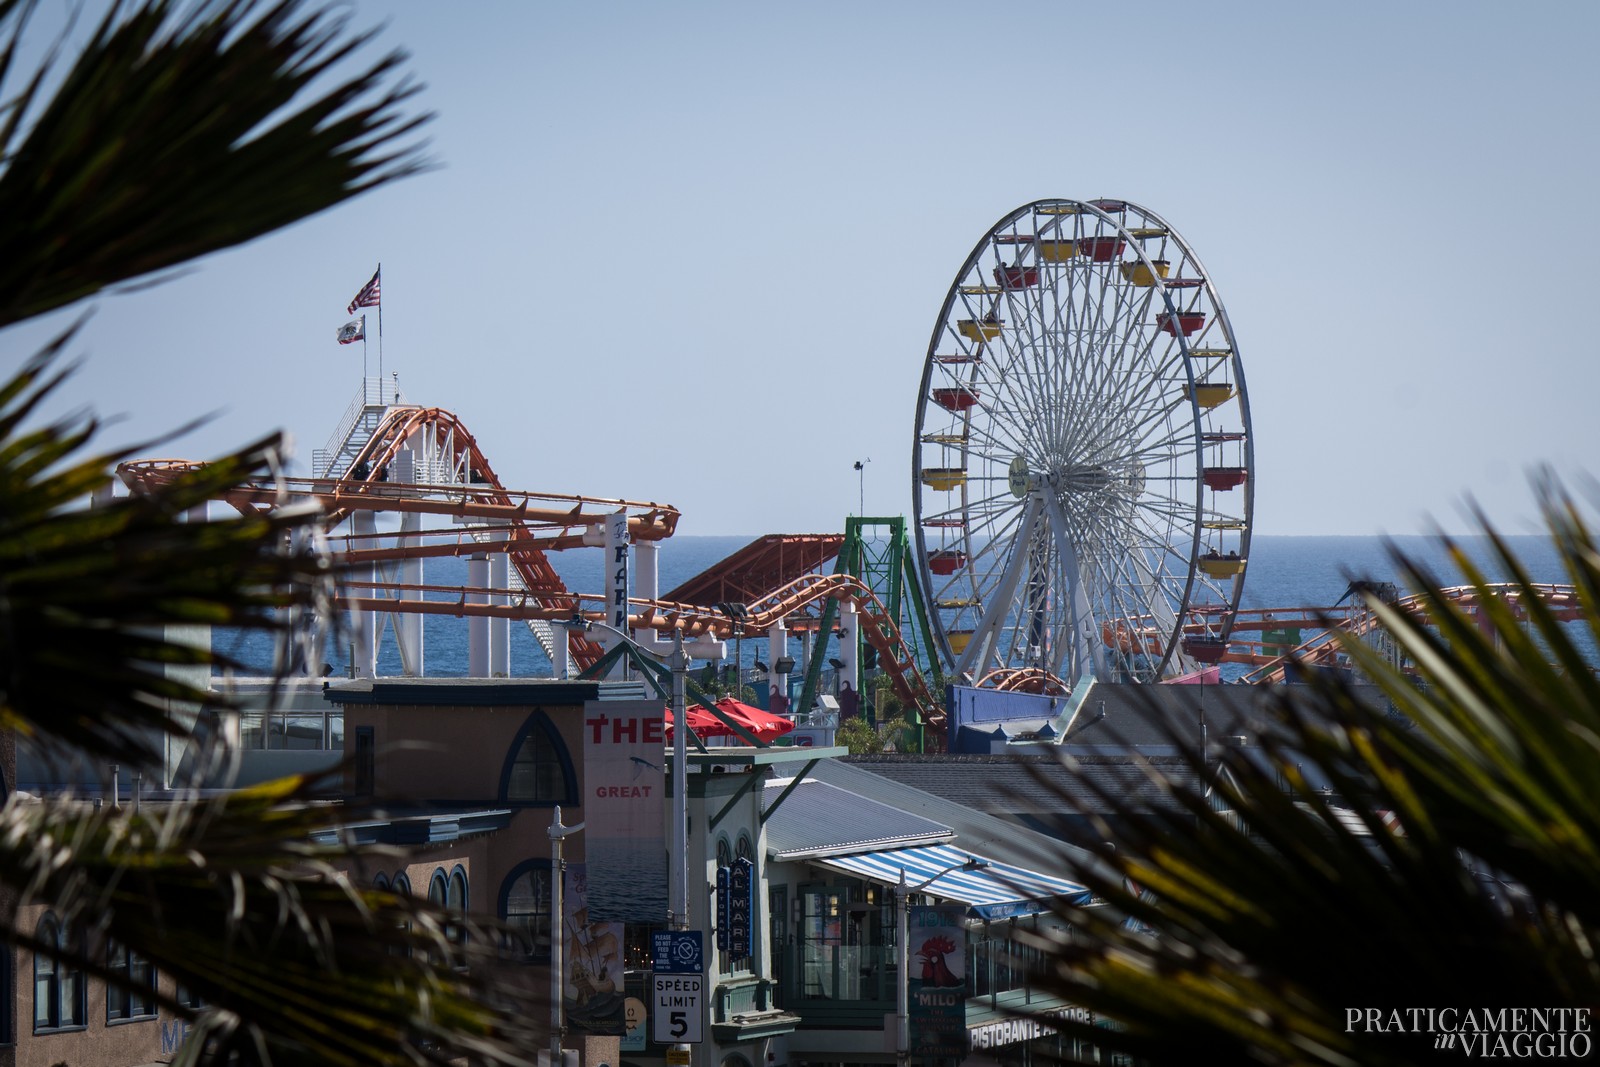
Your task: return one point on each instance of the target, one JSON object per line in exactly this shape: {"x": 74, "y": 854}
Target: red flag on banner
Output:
{"x": 369, "y": 296}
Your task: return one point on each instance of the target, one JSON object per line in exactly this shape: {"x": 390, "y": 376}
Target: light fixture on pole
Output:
{"x": 861, "y": 486}
{"x": 902, "y": 1044}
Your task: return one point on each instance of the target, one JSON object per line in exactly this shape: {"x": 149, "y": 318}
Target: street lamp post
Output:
{"x": 558, "y": 932}
{"x": 902, "y": 892}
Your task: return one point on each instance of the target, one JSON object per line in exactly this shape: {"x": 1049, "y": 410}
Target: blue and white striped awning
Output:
{"x": 994, "y": 891}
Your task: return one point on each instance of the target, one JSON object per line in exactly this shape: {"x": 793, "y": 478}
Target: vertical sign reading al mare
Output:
{"x": 734, "y": 900}
{"x": 938, "y": 981}
{"x": 624, "y": 812}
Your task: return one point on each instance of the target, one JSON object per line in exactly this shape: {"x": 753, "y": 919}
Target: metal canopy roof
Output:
{"x": 818, "y": 819}
{"x": 995, "y": 891}
{"x": 765, "y": 564}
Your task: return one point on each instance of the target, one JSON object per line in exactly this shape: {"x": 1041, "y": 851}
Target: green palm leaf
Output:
{"x": 1274, "y": 909}
{"x": 171, "y": 136}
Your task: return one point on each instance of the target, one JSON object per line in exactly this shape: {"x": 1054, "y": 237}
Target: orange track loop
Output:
{"x": 1025, "y": 680}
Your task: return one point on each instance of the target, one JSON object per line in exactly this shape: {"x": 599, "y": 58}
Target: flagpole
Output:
{"x": 379, "y": 277}
{"x": 363, "y": 359}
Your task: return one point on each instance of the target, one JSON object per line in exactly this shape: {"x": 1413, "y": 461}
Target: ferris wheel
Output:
{"x": 1082, "y": 469}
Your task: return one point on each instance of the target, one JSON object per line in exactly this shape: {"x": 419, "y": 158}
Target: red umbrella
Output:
{"x": 701, "y": 722}
{"x": 764, "y": 724}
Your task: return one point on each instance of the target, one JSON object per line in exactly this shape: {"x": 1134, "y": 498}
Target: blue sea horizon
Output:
{"x": 1285, "y": 571}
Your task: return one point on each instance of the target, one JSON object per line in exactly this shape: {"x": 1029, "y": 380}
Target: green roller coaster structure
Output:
{"x": 877, "y": 553}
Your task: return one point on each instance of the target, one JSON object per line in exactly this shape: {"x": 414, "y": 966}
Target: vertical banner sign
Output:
{"x": 592, "y": 987}
{"x": 739, "y": 908}
{"x": 624, "y": 809}
{"x": 617, "y": 569}
{"x": 734, "y": 906}
{"x": 938, "y": 981}
{"x": 724, "y": 881}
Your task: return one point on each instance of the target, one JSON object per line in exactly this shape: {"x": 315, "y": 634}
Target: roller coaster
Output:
{"x": 421, "y": 463}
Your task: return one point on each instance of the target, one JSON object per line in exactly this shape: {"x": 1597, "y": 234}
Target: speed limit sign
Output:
{"x": 678, "y": 1014}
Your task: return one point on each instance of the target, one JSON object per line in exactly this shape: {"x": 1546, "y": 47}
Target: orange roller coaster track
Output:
{"x": 1324, "y": 649}
{"x": 664, "y": 616}
{"x": 451, "y": 477}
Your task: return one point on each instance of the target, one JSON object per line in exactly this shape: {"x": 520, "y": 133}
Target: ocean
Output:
{"x": 1284, "y": 572}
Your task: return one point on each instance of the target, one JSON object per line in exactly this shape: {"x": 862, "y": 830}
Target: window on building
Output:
{"x": 366, "y": 761}
{"x": 525, "y": 901}
{"x": 58, "y": 986}
{"x": 131, "y": 991}
{"x": 538, "y": 770}
{"x": 456, "y": 901}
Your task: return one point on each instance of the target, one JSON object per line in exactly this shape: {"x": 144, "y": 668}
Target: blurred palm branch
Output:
{"x": 174, "y": 132}
{"x": 1437, "y": 848}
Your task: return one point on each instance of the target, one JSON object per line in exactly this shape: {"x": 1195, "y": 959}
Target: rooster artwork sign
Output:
{"x": 938, "y": 981}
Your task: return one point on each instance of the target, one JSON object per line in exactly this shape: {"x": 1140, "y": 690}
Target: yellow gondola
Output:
{"x": 1208, "y": 395}
{"x": 1219, "y": 566}
{"x": 944, "y": 478}
{"x": 975, "y": 330}
{"x": 1057, "y": 251}
{"x": 1140, "y": 273}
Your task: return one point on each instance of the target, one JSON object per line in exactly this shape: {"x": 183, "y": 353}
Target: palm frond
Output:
{"x": 93, "y": 601}
{"x": 1456, "y": 861}
{"x": 173, "y": 136}
{"x": 245, "y": 901}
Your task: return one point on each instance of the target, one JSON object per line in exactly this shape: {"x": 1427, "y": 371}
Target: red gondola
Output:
{"x": 947, "y": 561}
{"x": 1101, "y": 249}
{"x": 1222, "y": 479}
{"x": 959, "y": 398}
{"x": 1205, "y": 649}
{"x": 1187, "y": 321}
{"x": 1016, "y": 277}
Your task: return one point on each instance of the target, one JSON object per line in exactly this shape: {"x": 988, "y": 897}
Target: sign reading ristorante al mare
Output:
{"x": 1013, "y": 1031}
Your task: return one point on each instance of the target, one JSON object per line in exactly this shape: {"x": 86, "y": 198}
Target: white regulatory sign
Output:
{"x": 679, "y": 1012}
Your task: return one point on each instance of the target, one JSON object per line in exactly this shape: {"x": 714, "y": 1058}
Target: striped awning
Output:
{"x": 994, "y": 891}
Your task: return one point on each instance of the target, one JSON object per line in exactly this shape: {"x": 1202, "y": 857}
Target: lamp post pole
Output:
{"x": 558, "y": 932}
{"x": 678, "y": 903}
{"x": 902, "y": 1041}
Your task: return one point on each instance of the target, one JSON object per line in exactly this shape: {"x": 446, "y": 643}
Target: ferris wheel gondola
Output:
{"x": 1083, "y": 462}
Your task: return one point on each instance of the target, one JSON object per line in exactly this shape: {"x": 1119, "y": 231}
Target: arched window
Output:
{"x": 456, "y": 901}
{"x": 438, "y": 887}
{"x": 401, "y": 883}
{"x": 380, "y": 881}
{"x": 525, "y": 899}
{"x": 137, "y": 998}
{"x": 538, "y": 770}
{"x": 58, "y": 986}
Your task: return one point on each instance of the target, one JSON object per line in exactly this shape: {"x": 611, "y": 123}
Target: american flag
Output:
{"x": 368, "y": 297}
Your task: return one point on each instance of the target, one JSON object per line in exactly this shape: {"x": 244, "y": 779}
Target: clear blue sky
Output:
{"x": 693, "y": 252}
